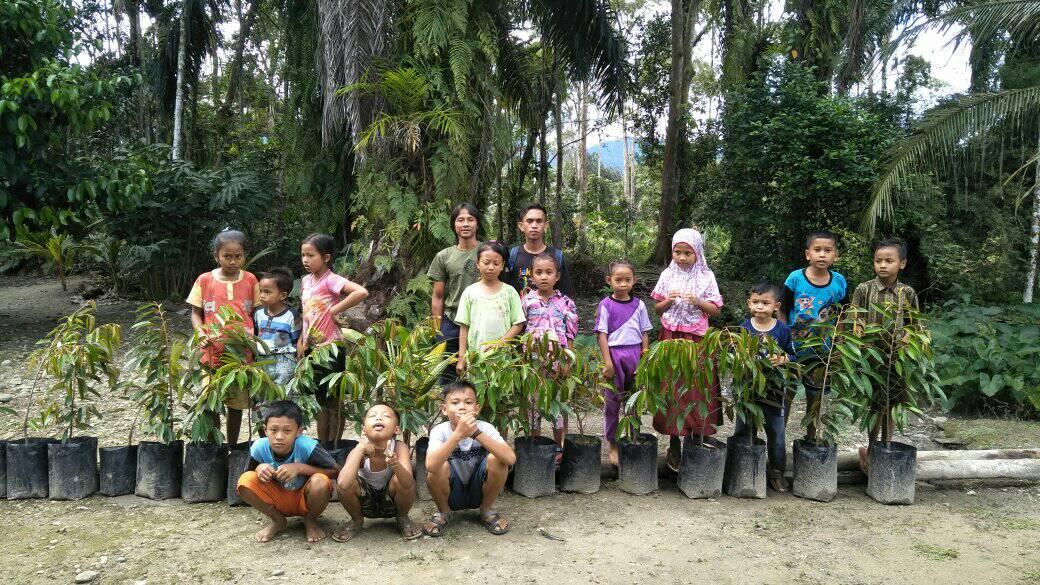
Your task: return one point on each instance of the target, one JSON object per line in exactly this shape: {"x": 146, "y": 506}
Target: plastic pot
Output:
{"x": 815, "y": 471}
{"x": 534, "y": 474}
{"x": 27, "y": 468}
{"x": 159, "y": 470}
{"x": 72, "y": 471}
{"x": 892, "y": 472}
{"x": 238, "y": 460}
{"x": 745, "y": 467}
{"x": 702, "y": 467}
{"x": 339, "y": 453}
{"x": 637, "y": 464}
{"x": 422, "y": 491}
{"x": 205, "y": 472}
{"x": 118, "y": 470}
{"x": 581, "y": 465}
{"x": 3, "y": 469}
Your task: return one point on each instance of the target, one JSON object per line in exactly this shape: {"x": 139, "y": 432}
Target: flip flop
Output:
{"x": 404, "y": 523}
{"x": 435, "y": 526}
{"x": 670, "y": 462}
{"x": 490, "y": 520}
{"x": 350, "y": 530}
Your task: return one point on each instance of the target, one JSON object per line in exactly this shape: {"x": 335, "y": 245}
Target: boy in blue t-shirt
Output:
{"x": 289, "y": 474}
{"x": 763, "y": 304}
{"x": 812, "y": 295}
{"x": 277, "y": 324}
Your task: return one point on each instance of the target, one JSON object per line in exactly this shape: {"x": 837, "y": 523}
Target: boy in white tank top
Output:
{"x": 376, "y": 480}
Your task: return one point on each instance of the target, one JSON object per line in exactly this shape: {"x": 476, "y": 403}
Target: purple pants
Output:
{"x": 625, "y": 359}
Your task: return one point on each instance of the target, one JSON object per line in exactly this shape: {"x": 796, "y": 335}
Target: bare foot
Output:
{"x": 271, "y": 530}
{"x": 314, "y": 531}
{"x": 864, "y": 459}
{"x": 613, "y": 456}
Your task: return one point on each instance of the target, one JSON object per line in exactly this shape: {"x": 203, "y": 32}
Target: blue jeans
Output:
{"x": 775, "y": 442}
{"x": 449, "y": 334}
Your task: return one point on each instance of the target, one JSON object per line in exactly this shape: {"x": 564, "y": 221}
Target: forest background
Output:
{"x": 131, "y": 131}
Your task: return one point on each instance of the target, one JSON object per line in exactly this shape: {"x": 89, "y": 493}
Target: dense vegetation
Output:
{"x": 132, "y": 131}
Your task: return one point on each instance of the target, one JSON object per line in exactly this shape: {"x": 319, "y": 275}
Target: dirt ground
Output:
{"x": 950, "y": 535}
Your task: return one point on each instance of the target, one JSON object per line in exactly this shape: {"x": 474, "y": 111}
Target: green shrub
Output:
{"x": 989, "y": 357}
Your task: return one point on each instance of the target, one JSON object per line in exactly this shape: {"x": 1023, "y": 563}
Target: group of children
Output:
{"x": 484, "y": 293}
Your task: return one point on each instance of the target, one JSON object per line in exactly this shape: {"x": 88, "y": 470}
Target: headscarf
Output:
{"x": 697, "y": 279}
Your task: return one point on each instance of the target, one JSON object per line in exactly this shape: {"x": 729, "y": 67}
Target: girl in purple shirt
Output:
{"x": 622, "y": 326}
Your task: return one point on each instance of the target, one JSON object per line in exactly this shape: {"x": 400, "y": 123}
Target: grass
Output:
{"x": 936, "y": 553}
{"x": 1032, "y": 576}
{"x": 991, "y": 433}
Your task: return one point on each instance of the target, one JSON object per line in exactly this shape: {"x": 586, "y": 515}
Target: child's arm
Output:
{"x": 663, "y": 305}
{"x": 514, "y": 330}
{"x": 646, "y": 343}
{"x": 500, "y": 449}
{"x": 353, "y": 463}
{"x": 401, "y": 463}
{"x": 786, "y": 303}
{"x": 709, "y": 308}
{"x": 604, "y": 352}
{"x": 355, "y": 294}
{"x": 460, "y": 363}
{"x": 198, "y": 318}
{"x": 438, "y": 455}
{"x": 516, "y": 316}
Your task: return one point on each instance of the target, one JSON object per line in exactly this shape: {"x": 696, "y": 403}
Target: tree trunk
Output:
{"x": 182, "y": 71}
{"x": 1034, "y": 236}
{"x": 137, "y": 60}
{"x": 683, "y": 13}
{"x": 558, "y": 224}
{"x": 582, "y": 160}
{"x": 543, "y": 162}
{"x": 235, "y": 66}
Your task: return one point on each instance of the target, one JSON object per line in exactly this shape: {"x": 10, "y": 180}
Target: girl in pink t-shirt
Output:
{"x": 325, "y": 295}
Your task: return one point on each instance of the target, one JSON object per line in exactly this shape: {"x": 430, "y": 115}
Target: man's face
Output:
{"x": 533, "y": 224}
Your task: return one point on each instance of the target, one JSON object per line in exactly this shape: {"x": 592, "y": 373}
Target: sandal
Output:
{"x": 558, "y": 458}
{"x": 777, "y": 481}
{"x": 435, "y": 525}
{"x": 491, "y": 519}
{"x": 350, "y": 530}
{"x": 408, "y": 529}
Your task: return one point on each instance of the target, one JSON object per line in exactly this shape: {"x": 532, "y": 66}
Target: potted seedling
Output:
{"x": 683, "y": 364}
{"x": 4, "y": 411}
{"x": 581, "y": 467}
{"x": 77, "y": 356}
{"x": 741, "y": 361}
{"x": 843, "y": 358}
{"x": 160, "y": 358}
{"x": 902, "y": 380}
{"x": 637, "y": 452}
{"x": 540, "y": 379}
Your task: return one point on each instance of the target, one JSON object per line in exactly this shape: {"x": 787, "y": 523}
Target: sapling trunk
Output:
{"x": 28, "y": 405}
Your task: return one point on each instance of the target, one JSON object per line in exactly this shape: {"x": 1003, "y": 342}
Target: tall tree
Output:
{"x": 182, "y": 75}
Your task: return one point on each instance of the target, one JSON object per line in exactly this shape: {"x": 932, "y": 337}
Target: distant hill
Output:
{"x": 612, "y": 152}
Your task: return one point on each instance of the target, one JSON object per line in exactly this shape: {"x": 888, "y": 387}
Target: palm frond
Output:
{"x": 940, "y": 134}
{"x": 980, "y": 21}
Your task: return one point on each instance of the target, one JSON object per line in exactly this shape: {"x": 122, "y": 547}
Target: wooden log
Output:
{"x": 956, "y": 469}
{"x": 849, "y": 461}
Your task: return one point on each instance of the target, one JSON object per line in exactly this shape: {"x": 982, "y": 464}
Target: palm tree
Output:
{"x": 938, "y": 137}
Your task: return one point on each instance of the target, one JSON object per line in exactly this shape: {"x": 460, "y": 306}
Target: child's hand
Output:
{"x": 460, "y": 365}
{"x": 286, "y": 473}
{"x": 608, "y": 371}
{"x": 778, "y": 359}
{"x": 366, "y": 446}
{"x": 265, "y": 472}
{"x": 466, "y": 426}
{"x": 392, "y": 462}
{"x": 693, "y": 299}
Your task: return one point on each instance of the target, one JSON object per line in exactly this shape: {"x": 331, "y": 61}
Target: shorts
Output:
{"x": 322, "y": 390}
{"x": 467, "y": 495}
{"x": 237, "y": 398}
{"x": 376, "y": 503}
{"x": 287, "y": 502}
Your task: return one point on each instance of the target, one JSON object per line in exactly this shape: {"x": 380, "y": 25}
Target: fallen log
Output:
{"x": 849, "y": 461}
{"x": 954, "y": 469}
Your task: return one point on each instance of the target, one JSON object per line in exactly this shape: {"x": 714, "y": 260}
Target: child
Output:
{"x": 552, "y": 314}
{"x": 277, "y": 324}
{"x": 686, "y": 295}
{"x": 376, "y": 481}
{"x": 886, "y": 293}
{"x": 622, "y": 326}
{"x": 325, "y": 295}
{"x": 812, "y": 295}
{"x": 289, "y": 474}
{"x": 763, "y": 304}
{"x": 467, "y": 462}
{"x": 226, "y": 286}
{"x": 489, "y": 311}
